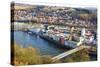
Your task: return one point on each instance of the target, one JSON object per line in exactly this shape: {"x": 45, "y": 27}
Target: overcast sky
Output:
{"x": 72, "y": 3}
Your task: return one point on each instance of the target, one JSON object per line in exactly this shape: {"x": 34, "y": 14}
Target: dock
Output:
{"x": 67, "y": 53}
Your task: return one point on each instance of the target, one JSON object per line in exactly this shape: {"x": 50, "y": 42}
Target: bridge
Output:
{"x": 67, "y": 53}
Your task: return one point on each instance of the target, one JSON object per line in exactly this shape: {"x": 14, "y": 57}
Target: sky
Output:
{"x": 70, "y": 3}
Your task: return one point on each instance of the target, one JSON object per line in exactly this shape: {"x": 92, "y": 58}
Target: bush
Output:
{"x": 28, "y": 56}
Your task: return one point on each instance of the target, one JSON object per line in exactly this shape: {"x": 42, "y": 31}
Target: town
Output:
{"x": 78, "y": 26}
{"x": 64, "y": 27}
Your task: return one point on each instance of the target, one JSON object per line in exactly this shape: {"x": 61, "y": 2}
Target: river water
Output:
{"x": 43, "y": 46}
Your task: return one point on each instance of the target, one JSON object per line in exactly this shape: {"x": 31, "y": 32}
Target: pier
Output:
{"x": 67, "y": 53}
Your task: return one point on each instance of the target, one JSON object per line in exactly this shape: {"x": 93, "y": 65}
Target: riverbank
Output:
{"x": 29, "y": 56}
{"x": 42, "y": 51}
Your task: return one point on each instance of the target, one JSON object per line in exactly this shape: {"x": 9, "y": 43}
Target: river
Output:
{"x": 44, "y": 47}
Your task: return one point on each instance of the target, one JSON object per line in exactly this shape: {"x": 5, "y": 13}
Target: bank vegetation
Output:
{"x": 30, "y": 56}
